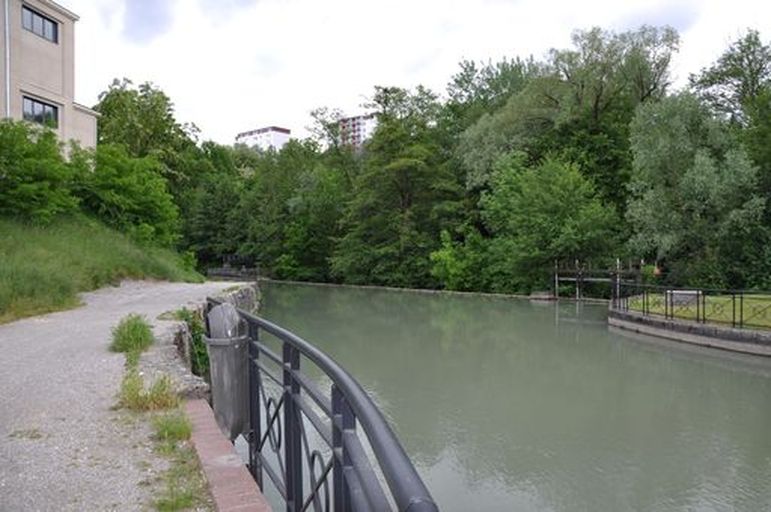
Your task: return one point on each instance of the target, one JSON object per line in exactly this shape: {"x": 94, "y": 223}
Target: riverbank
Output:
{"x": 428, "y": 291}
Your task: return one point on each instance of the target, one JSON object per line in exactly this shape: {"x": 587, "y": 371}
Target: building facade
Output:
{"x": 37, "y": 49}
{"x": 265, "y": 138}
{"x": 355, "y": 131}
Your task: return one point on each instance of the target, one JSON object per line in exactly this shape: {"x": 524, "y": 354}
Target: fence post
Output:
{"x": 293, "y": 447}
{"x": 733, "y": 309}
{"x": 556, "y": 280}
{"x": 342, "y": 420}
{"x": 741, "y": 310}
{"x": 255, "y": 429}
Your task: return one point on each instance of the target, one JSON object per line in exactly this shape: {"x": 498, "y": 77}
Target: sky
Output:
{"x": 235, "y": 65}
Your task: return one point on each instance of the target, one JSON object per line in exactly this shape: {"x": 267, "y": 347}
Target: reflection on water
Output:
{"x": 513, "y": 405}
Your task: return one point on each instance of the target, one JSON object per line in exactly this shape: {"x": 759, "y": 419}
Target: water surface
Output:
{"x": 515, "y": 405}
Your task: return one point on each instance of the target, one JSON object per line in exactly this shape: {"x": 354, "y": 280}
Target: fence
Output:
{"x": 737, "y": 308}
{"x": 289, "y": 415}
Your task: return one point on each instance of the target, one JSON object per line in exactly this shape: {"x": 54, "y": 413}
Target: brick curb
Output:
{"x": 231, "y": 485}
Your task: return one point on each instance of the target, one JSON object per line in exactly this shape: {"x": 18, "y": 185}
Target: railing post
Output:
{"x": 741, "y": 310}
{"x": 255, "y": 429}
{"x": 733, "y": 309}
{"x": 292, "y": 431}
{"x": 342, "y": 419}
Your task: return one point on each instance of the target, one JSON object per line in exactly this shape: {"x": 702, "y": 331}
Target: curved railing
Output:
{"x": 354, "y": 482}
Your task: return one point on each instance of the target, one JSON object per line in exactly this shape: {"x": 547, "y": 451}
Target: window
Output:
{"x": 39, "y": 112}
{"x": 39, "y": 24}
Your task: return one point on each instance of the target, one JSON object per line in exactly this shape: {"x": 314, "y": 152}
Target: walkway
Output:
{"x": 62, "y": 447}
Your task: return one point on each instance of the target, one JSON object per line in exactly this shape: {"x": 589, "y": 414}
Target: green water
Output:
{"x": 513, "y": 405}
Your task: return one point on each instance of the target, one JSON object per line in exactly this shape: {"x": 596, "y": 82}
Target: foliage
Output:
{"x": 732, "y": 85}
{"x": 132, "y": 334}
{"x": 696, "y": 204}
{"x": 393, "y": 219}
{"x": 35, "y": 178}
{"x": 130, "y": 195}
{"x": 45, "y": 267}
{"x": 542, "y": 214}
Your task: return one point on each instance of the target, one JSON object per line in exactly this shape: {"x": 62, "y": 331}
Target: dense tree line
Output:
{"x": 586, "y": 154}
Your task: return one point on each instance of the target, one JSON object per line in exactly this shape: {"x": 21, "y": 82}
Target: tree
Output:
{"x": 695, "y": 203}
{"x": 578, "y": 106}
{"x": 397, "y": 207}
{"x": 142, "y": 120}
{"x": 539, "y": 214}
{"x": 733, "y": 83}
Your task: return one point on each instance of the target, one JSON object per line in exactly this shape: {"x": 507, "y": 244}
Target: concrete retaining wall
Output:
{"x": 709, "y": 335}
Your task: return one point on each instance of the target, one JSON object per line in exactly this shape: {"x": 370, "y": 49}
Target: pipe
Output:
{"x": 7, "y": 62}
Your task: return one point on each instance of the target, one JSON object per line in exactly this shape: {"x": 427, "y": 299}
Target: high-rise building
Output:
{"x": 354, "y": 131}
{"x": 37, "y": 50}
{"x": 265, "y": 138}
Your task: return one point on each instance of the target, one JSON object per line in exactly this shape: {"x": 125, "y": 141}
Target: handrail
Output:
{"x": 408, "y": 490}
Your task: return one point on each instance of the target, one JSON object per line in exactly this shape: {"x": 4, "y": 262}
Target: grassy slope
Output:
{"x": 43, "y": 268}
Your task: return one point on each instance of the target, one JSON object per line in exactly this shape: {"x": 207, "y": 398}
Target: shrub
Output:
{"x": 34, "y": 177}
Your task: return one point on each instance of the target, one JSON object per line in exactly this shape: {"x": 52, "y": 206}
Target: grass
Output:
{"x": 756, "y": 309}
{"x": 132, "y": 334}
{"x": 44, "y": 268}
{"x": 135, "y": 397}
{"x": 184, "y": 486}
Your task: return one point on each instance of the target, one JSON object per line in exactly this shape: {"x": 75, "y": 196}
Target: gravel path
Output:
{"x": 62, "y": 446}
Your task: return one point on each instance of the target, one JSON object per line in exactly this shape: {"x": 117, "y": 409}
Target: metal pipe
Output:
{"x": 7, "y": 35}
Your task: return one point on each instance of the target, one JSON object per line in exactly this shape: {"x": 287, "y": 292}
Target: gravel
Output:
{"x": 63, "y": 446}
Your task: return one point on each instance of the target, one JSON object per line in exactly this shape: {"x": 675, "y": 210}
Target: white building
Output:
{"x": 265, "y": 138}
{"x": 354, "y": 131}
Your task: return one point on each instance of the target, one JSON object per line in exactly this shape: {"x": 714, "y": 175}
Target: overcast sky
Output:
{"x": 235, "y": 65}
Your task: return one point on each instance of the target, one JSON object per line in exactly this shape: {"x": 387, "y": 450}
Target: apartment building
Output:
{"x": 37, "y": 49}
{"x": 355, "y": 131}
{"x": 265, "y": 138}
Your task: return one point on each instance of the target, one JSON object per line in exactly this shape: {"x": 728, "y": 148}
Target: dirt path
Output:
{"x": 62, "y": 447}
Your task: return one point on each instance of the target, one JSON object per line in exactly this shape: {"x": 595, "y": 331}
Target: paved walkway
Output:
{"x": 62, "y": 447}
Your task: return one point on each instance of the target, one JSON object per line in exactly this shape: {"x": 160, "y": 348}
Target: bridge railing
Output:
{"x": 735, "y": 308}
{"x": 306, "y": 440}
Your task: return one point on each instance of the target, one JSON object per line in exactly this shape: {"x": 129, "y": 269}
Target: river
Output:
{"x": 515, "y": 405}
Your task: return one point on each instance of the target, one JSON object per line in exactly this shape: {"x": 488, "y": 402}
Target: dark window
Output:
{"x": 39, "y": 112}
{"x": 39, "y": 24}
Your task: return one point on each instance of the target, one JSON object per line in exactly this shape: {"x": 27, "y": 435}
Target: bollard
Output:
{"x": 228, "y": 367}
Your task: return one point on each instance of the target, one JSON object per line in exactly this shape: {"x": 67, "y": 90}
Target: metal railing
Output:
{"x": 737, "y": 308}
{"x": 284, "y": 403}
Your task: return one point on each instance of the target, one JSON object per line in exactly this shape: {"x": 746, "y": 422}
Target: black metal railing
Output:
{"x": 307, "y": 441}
{"x": 737, "y": 308}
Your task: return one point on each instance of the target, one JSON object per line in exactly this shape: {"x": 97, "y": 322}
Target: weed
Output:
{"x": 173, "y": 426}
{"x": 133, "y": 396}
{"x": 132, "y": 334}
{"x": 185, "y": 486}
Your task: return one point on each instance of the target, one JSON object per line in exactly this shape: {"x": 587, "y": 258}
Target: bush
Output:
{"x": 35, "y": 179}
{"x": 130, "y": 195}
{"x": 132, "y": 334}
